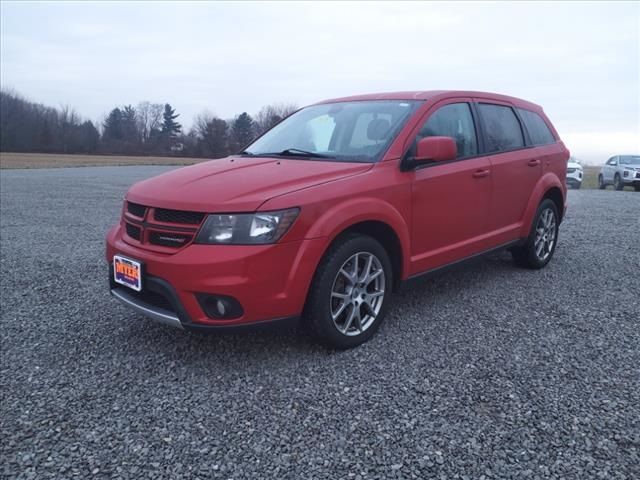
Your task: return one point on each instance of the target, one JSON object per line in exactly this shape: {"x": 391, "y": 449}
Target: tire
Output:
{"x": 544, "y": 230}
{"x": 578, "y": 185}
{"x": 636, "y": 188}
{"x": 358, "y": 314}
{"x": 617, "y": 182}
{"x": 601, "y": 184}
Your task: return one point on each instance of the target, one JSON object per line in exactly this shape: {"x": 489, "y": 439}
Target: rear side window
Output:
{"x": 455, "y": 121}
{"x": 501, "y": 128}
{"x": 538, "y": 130}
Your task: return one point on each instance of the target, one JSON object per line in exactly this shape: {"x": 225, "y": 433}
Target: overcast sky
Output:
{"x": 580, "y": 61}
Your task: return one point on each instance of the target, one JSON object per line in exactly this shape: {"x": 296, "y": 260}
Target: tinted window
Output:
{"x": 501, "y": 128}
{"x": 630, "y": 160}
{"x": 537, "y": 128}
{"x": 345, "y": 131}
{"x": 612, "y": 161}
{"x": 453, "y": 121}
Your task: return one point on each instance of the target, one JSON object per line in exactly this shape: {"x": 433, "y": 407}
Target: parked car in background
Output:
{"x": 620, "y": 171}
{"x": 574, "y": 173}
{"x": 327, "y": 213}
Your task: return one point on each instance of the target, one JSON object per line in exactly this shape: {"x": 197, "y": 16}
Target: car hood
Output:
{"x": 237, "y": 184}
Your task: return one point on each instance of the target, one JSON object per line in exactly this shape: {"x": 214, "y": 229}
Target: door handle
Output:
{"x": 533, "y": 163}
{"x": 481, "y": 173}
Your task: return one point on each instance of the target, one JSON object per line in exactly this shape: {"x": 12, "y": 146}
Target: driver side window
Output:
{"x": 455, "y": 121}
{"x": 613, "y": 161}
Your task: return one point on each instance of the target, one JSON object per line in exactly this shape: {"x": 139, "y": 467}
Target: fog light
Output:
{"x": 219, "y": 306}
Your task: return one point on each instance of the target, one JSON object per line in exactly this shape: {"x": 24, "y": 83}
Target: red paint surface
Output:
{"x": 439, "y": 214}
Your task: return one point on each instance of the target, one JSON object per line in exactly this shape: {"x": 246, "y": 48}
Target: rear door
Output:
{"x": 515, "y": 168}
{"x": 450, "y": 200}
{"x": 539, "y": 136}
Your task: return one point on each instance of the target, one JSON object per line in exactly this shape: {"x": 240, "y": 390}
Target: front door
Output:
{"x": 609, "y": 170}
{"x": 450, "y": 200}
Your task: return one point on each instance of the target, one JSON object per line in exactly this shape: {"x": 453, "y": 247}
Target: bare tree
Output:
{"x": 270, "y": 115}
{"x": 149, "y": 118}
{"x": 68, "y": 120}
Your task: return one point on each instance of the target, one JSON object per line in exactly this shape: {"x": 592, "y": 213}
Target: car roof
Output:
{"x": 435, "y": 95}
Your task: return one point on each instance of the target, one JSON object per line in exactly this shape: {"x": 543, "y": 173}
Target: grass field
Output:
{"x": 590, "y": 179}
{"x": 47, "y": 160}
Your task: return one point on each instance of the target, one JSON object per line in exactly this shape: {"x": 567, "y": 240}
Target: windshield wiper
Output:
{"x": 304, "y": 153}
{"x": 289, "y": 152}
{"x": 292, "y": 152}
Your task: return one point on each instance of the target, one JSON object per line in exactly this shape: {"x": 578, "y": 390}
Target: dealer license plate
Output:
{"x": 127, "y": 272}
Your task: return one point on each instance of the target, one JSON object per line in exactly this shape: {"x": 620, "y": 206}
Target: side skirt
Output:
{"x": 458, "y": 263}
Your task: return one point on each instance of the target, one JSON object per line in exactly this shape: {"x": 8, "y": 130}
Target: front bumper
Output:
{"x": 572, "y": 182}
{"x": 631, "y": 181}
{"x": 269, "y": 281}
{"x": 574, "y": 178}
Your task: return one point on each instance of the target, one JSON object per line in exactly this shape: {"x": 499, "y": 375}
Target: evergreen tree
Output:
{"x": 170, "y": 127}
{"x": 242, "y": 131}
{"x": 214, "y": 133}
{"x": 88, "y": 137}
{"x": 113, "y": 127}
{"x": 130, "y": 127}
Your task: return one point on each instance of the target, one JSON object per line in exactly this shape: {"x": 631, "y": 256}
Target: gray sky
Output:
{"x": 580, "y": 61}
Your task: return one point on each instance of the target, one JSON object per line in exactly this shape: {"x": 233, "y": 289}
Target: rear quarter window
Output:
{"x": 537, "y": 128}
{"x": 502, "y": 128}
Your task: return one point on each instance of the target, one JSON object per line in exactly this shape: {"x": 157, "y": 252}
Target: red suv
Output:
{"x": 324, "y": 215}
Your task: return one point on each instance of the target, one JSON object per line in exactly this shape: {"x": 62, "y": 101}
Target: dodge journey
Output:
{"x": 322, "y": 217}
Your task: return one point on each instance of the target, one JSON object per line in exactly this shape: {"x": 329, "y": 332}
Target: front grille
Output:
{"x": 133, "y": 231}
{"x": 178, "y": 216}
{"x": 136, "y": 209}
{"x": 571, "y": 170}
{"x": 153, "y": 298}
{"x": 169, "y": 239}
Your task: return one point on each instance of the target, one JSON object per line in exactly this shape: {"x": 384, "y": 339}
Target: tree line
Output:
{"x": 145, "y": 129}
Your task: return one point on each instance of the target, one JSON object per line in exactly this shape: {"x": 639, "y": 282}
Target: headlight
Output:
{"x": 246, "y": 228}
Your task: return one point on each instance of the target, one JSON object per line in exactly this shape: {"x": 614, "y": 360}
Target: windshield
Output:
{"x": 345, "y": 131}
{"x": 630, "y": 160}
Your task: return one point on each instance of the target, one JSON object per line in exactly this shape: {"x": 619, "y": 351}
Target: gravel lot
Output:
{"x": 484, "y": 372}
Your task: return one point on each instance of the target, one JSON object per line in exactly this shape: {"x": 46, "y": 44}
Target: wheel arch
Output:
{"x": 373, "y": 217}
{"x": 386, "y": 236}
{"x": 555, "y": 194}
{"x": 549, "y": 186}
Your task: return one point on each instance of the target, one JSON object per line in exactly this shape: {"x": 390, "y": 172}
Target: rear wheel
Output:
{"x": 601, "y": 184}
{"x": 617, "y": 182}
{"x": 348, "y": 298}
{"x": 541, "y": 242}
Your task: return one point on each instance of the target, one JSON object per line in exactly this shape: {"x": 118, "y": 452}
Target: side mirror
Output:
{"x": 435, "y": 149}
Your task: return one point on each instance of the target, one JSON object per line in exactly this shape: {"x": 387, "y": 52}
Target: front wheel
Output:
{"x": 541, "y": 242}
{"x": 349, "y": 294}
{"x": 601, "y": 184}
{"x": 617, "y": 182}
{"x": 636, "y": 188}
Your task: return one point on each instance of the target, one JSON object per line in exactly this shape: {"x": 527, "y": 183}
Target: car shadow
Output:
{"x": 270, "y": 345}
